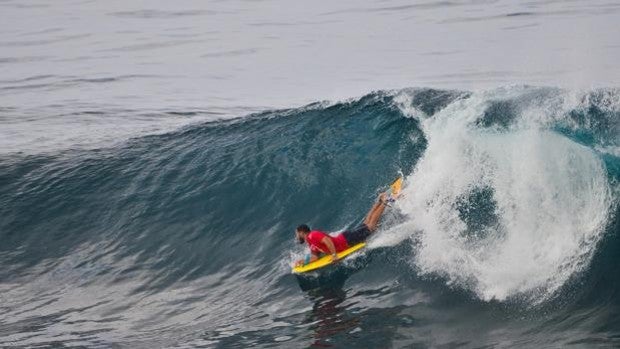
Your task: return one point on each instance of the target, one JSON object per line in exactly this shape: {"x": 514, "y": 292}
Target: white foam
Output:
{"x": 403, "y": 101}
{"x": 551, "y": 196}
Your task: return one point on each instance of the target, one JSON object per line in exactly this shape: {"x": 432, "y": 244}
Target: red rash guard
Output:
{"x": 317, "y": 246}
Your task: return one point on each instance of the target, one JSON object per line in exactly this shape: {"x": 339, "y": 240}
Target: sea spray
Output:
{"x": 546, "y": 201}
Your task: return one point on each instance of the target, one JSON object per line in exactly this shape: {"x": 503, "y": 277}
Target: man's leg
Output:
{"x": 374, "y": 215}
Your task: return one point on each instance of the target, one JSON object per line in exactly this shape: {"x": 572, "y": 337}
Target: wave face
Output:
{"x": 506, "y": 234}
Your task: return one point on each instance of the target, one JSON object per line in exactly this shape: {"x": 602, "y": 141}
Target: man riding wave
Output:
{"x": 323, "y": 243}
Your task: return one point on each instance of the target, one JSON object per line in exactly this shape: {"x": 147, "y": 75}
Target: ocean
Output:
{"x": 156, "y": 157}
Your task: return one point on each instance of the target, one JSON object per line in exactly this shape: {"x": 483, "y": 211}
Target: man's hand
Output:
{"x": 335, "y": 258}
{"x": 331, "y": 249}
{"x": 383, "y": 197}
{"x": 299, "y": 263}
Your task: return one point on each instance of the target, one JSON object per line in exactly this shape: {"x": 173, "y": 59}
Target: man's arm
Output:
{"x": 330, "y": 246}
{"x": 313, "y": 257}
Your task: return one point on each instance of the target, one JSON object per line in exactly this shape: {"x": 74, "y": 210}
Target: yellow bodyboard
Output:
{"x": 327, "y": 260}
{"x": 396, "y": 186}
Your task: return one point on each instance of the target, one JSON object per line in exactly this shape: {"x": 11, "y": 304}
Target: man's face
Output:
{"x": 300, "y": 237}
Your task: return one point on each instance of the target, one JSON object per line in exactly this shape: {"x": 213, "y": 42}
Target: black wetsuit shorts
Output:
{"x": 359, "y": 234}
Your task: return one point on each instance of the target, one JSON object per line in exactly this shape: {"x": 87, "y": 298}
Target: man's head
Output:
{"x": 301, "y": 232}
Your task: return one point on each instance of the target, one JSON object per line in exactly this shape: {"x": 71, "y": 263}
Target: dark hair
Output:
{"x": 303, "y": 228}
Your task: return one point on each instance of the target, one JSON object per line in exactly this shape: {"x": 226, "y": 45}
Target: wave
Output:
{"x": 511, "y": 194}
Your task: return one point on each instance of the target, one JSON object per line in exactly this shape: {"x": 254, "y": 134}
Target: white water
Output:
{"x": 551, "y": 195}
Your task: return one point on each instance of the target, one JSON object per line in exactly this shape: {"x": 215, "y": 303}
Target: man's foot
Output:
{"x": 384, "y": 198}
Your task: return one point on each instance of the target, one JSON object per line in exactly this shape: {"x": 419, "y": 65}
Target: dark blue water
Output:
{"x": 185, "y": 239}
